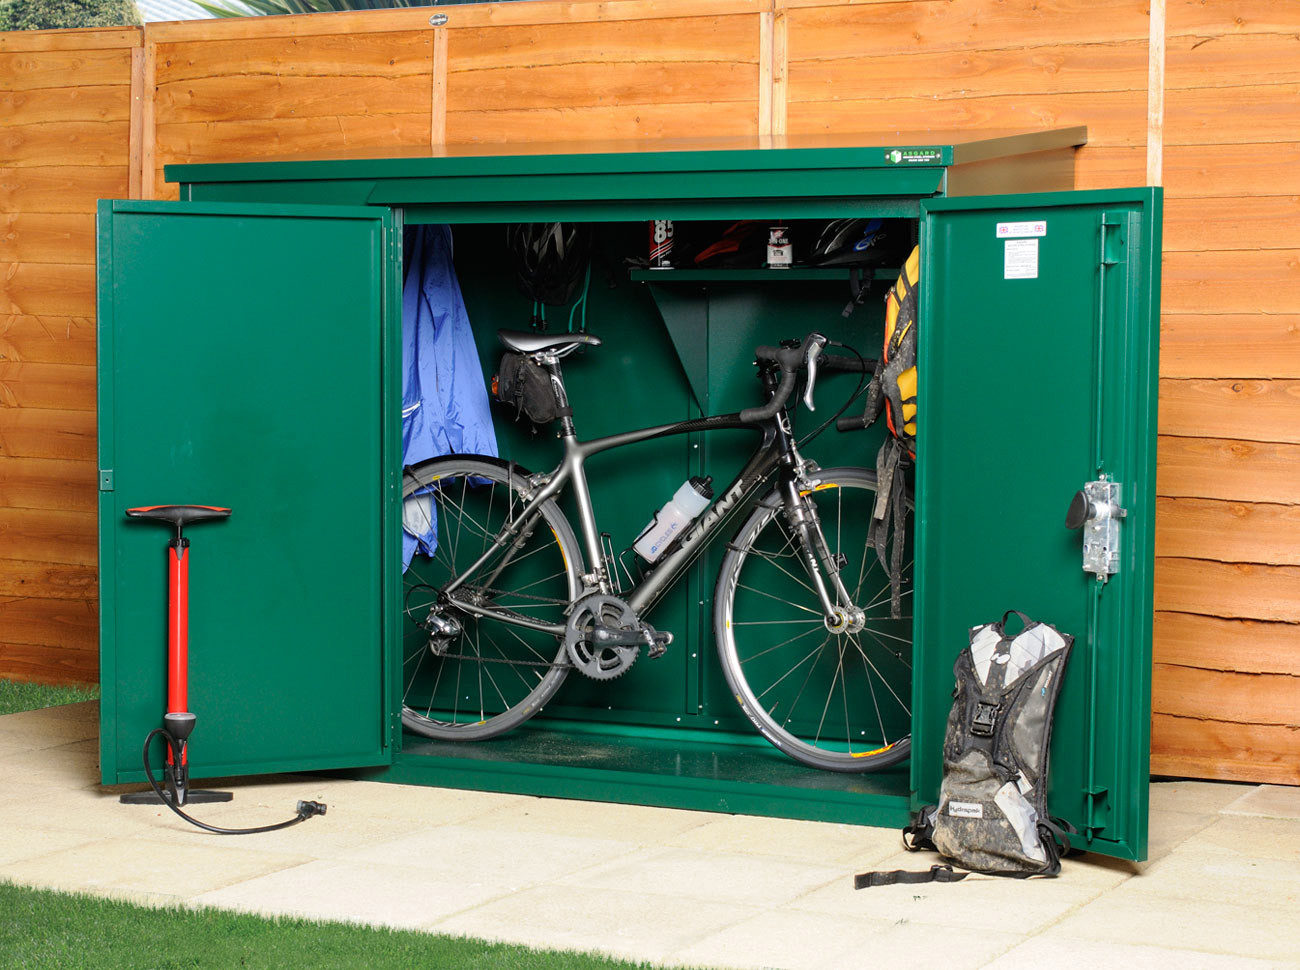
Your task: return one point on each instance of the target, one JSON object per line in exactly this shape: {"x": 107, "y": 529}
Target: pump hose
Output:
{"x": 305, "y": 809}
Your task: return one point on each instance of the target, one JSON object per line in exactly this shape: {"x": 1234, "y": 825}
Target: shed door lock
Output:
{"x": 1096, "y": 510}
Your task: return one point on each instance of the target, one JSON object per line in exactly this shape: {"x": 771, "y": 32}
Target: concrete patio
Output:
{"x": 1221, "y": 891}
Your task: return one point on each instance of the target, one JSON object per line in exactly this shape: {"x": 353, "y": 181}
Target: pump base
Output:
{"x": 192, "y": 797}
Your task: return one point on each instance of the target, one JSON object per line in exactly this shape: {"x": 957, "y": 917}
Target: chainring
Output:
{"x": 603, "y": 662}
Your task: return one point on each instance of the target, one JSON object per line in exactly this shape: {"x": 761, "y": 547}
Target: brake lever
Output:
{"x": 816, "y": 344}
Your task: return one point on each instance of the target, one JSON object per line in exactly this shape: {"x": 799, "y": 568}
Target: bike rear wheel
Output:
{"x": 465, "y": 676}
{"x": 840, "y": 701}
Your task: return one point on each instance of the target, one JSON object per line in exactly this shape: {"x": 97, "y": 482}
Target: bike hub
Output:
{"x": 845, "y": 621}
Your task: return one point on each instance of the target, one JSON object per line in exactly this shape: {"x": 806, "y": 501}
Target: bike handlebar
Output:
{"x": 807, "y": 354}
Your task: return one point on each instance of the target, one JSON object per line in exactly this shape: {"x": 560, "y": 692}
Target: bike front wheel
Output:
{"x": 839, "y": 700}
{"x": 469, "y": 673}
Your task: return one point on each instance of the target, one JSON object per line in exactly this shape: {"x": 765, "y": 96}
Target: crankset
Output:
{"x": 604, "y": 636}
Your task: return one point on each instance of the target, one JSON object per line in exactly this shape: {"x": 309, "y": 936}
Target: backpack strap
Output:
{"x": 937, "y": 873}
{"x": 890, "y": 510}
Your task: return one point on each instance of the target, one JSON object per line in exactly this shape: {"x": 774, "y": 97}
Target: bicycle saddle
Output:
{"x": 178, "y": 515}
{"x": 534, "y": 343}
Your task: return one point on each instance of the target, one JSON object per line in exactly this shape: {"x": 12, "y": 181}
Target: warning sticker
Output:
{"x": 1020, "y": 259}
{"x": 965, "y": 810}
{"x": 1010, "y": 230}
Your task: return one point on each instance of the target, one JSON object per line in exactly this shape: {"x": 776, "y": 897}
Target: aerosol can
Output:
{"x": 680, "y": 511}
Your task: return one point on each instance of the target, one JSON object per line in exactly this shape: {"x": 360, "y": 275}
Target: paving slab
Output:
{"x": 1031, "y": 905}
{"x": 404, "y": 897}
{"x": 1250, "y": 835}
{"x": 1274, "y": 801}
{"x": 705, "y": 875}
{"x": 639, "y": 824}
{"x": 1213, "y": 874}
{"x": 1195, "y": 797}
{"x": 509, "y": 861}
{"x": 825, "y": 843}
{"x": 1221, "y": 892}
{"x": 141, "y": 865}
{"x": 1063, "y": 953}
{"x": 630, "y": 924}
{"x": 1247, "y": 929}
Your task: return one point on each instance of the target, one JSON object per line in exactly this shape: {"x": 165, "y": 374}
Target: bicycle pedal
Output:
{"x": 658, "y": 644}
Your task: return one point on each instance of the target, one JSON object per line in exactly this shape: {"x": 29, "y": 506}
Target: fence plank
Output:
{"x": 1244, "y": 471}
{"x": 1189, "y": 747}
{"x": 90, "y": 38}
{"x": 1228, "y": 60}
{"x": 49, "y": 663}
{"x": 1247, "y": 115}
{"x": 1202, "y": 20}
{"x": 47, "y": 483}
{"x": 1237, "y": 222}
{"x": 53, "y": 535}
{"x": 586, "y": 124}
{"x": 52, "y": 580}
{"x": 936, "y": 26}
{"x": 1255, "y": 532}
{"x": 397, "y": 54}
{"x": 1248, "y": 409}
{"x": 102, "y": 143}
{"x": 60, "y": 188}
{"x": 1113, "y": 117}
{"x": 1246, "y": 646}
{"x": 1267, "y": 280}
{"x": 1074, "y": 69}
{"x": 239, "y": 140}
{"x": 684, "y": 41}
{"x": 47, "y": 288}
{"x": 107, "y": 102}
{"x": 40, "y": 237}
{"x": 37, "y": 433}
{"x": 1220, "y": 345}
{"x": 1215, "y": 171}
{"x": 1230, "y": 590}
{"x": 38, "y": 621}
{"x": 64, "y": 70}
{"x": 28, "y": 385}
{"x": 1248, "y": 698}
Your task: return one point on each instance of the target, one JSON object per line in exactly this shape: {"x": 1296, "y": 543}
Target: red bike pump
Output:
{"x": 178, "y": 721}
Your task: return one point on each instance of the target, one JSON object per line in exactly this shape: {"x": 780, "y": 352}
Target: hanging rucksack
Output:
{"x": 992, "y": 811}
{"x": 893, "y": 391}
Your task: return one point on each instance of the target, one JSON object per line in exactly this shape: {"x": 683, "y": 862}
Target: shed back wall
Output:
{"x": 1199, "y": 95}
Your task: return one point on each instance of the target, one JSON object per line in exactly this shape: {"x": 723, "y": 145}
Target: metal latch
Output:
{"x": 1096, "y": 510}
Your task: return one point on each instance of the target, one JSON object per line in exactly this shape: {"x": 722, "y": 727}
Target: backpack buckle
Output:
{"x": 986, "y": 716}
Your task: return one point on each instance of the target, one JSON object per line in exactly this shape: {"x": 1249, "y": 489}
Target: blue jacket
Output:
{"x": 445, "y": 406}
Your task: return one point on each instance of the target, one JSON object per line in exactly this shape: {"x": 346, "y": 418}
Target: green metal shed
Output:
{"x": 249, "y": 356}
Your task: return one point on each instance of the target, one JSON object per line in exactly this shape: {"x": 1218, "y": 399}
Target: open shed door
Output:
{"x": 244, "y": 362}
{"x": 1038, "y": 343}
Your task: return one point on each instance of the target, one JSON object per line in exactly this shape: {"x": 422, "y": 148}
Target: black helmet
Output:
{"x": 849, "y": 242}
{"x": 550, "y": 258}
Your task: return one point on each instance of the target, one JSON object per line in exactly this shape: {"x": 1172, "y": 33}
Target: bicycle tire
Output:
{"x": 839, "y": 702}
{"x": 491, "y": 676}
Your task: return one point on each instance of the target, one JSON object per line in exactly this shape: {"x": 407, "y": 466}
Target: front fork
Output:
{"x": 841, "y": 614}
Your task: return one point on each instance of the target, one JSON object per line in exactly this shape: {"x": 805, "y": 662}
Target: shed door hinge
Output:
{"x": 1097, "y": 511}
{"x": 106, "y": 479}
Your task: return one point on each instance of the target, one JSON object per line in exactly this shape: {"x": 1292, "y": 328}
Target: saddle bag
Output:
{"x": 992, "y": 811}
{"x": 524, "y": 386}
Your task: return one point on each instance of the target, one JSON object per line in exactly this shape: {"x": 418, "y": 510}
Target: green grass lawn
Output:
{"x": 52, "y": 931}
{"x": 42, "y": 930}
{"x": 17, "y": 696}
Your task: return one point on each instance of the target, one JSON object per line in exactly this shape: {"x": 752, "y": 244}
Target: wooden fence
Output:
{"x": 1197, "y": 94}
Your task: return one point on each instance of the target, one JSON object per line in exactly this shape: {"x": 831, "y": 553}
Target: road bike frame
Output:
{"x": 777, "y": 450}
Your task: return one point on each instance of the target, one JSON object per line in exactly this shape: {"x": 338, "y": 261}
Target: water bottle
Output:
{"x": 687, "y": 502}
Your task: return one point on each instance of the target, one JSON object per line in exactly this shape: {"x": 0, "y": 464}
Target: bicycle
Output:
{"x": 506, "y": 605}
